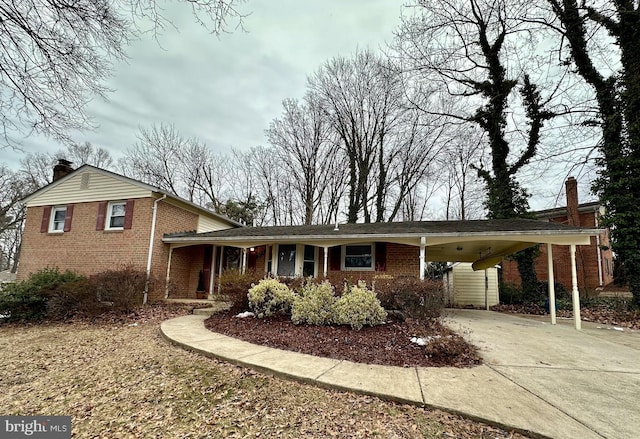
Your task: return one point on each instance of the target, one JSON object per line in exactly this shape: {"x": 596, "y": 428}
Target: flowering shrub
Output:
{"x": 359, "y": 306}
{"x": 314, "y": 305}
{"x": 269, "y": 297}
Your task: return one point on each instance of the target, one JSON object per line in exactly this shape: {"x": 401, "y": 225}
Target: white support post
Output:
{"x": 423, "y": 242}
{"x": 575, "y": 294}
{"x": 212, "y": 276}
{"x": 552, "y": 287}
{"x": 326, "y": 260}
{"x": 168, "y": 279}
{"x": 220, "y": 269}
{"x": 244, "y": 260}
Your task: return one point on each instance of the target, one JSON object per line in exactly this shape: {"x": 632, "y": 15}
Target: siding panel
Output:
{"x": 97, "y": 187}
{"x": 210, "y": 224}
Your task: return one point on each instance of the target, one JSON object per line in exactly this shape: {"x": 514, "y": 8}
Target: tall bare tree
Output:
{"x": 363, "y": 99}
{"x": 308, "y": 151}
{"x": 55, "y": 55}
{"x": 462, "y": 47}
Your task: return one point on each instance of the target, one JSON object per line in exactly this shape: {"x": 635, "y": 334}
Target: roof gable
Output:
{"x": 89, "y": 184}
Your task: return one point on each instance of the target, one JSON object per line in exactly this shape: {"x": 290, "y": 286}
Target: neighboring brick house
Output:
{"x": 91, "y": 220}
{"x": 594, "y": 262}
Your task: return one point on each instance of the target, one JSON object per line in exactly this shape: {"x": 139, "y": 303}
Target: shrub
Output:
{"x": 72, "y": 298}
{"x": 314, "y": 305}
{"x": 359, "y": 306}
{"x": 510, "y": 294}
{"x": 27, "y": 300}
{"x": 122, "y": 289}
{"x": 269, "y": 297}
{"x": 234, "y": 285}
{"x": 414, "y": 298}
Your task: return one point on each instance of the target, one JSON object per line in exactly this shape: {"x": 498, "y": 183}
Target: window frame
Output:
{"x": 52, "y": 220}
{"x": 343, "y": 256}
{"x": 109, "y": 215}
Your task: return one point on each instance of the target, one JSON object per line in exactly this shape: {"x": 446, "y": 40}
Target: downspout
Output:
{"x": 153, "y": 232}
{"x": 595, "y": 214}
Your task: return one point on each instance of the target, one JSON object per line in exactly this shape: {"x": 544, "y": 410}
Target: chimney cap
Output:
{"x": 64, "y": 162}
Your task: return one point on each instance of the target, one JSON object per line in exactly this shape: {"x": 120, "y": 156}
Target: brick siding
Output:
{"x": 87, "y": 251}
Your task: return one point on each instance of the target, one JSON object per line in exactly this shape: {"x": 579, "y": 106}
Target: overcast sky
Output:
{"x": 224, "y": 91}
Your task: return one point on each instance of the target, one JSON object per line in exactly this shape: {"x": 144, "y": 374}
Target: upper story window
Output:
{"x": 58, "y": 217}
{"x": 358, "y": 257}
{"x": 115, "y": 215}
{"x": 116, "y": 212}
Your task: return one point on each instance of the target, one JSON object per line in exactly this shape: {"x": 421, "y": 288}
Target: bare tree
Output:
{"x": 37, "y": 168}
{"x": 464, "y": 192}
{"x": 462, "y": 46}
{"x": 54, "y": 56}
{"x": 13, "y": 188}
{"x": 183, "y": 166}
{"x": 307, "y": 150}
{"x": 362, "y": 98}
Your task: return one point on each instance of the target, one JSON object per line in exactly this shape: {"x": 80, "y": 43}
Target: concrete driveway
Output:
{"x": 592, "y": 376}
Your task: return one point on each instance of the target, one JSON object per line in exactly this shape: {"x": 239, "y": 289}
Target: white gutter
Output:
{"x": 153, "y": 232}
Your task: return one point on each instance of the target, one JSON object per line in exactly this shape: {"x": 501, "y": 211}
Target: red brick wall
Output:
{"x": 586, "y": 260}
{"x": 401, "y": 260}
{"x": 86, "y": 250}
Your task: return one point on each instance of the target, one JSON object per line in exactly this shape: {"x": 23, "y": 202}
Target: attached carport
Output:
{"x": 481, "y": 242}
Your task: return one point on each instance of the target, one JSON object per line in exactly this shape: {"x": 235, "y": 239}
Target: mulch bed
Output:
{"x": 388, "y": 344}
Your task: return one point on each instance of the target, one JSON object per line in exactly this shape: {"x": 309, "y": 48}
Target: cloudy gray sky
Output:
{"x": 226, "y": 90}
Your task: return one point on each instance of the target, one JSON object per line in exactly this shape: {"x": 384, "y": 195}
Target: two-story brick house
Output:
{"x": 91, "y": 220}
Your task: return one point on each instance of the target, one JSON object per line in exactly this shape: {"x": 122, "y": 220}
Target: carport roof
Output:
{"x": 444, "y": 240}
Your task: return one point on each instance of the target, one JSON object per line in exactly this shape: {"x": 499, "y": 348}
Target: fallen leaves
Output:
{"x": 123, "y": 381}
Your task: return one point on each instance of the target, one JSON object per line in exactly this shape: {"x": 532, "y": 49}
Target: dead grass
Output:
{"x": 120, "y": 379}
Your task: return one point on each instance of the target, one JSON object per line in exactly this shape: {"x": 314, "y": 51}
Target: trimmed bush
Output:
{"x": 73, "y": 298}
{"x": 270, "y": 297}
{"x": 234, "y": 285}
{"x": 314, "y": 305}
{"x": 122, "y": 289}
{"x": 359, "y": 306}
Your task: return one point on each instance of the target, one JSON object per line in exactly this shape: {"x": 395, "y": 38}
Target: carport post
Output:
{"x": 574, "y": 282}
{"x": 423, "y": 243}
{"x": 552, "y": 286}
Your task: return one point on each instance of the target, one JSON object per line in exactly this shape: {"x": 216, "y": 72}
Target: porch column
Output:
{"x": 220, "y": 269}
{"x": 212, "y": 278}
{"x": 168, "y": 278}
{"x": 244, "y": 260}
{"x": 326, "y": 260}
{"x": 575, "y": 293}
{"x": 552, "y": 287}
{"x": 423, "y": 243}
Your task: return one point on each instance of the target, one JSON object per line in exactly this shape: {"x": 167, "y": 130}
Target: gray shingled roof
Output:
{"x": 418, "y": 228}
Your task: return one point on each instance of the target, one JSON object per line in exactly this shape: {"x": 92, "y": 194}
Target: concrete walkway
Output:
{"x": 549, "y": 380}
